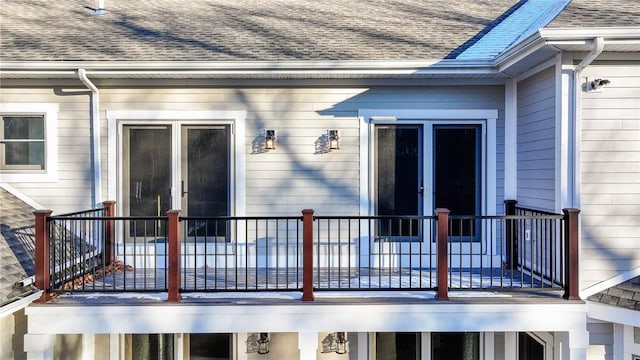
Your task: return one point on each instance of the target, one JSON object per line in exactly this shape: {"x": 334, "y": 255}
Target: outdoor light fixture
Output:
{"x": 335, "y": 342}
{"x": 333, "y": 136}
{"x": 263, "y": 343}
{"x": 341, "y": 342}
{"x": 258, "y": 343}
{"x": 597, "y": 84}
{"x": 270, "y": 139}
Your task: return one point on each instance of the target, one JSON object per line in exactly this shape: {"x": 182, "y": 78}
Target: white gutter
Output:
{"x": 240, "y": 66}
{"x": 19, "y": 304}
{"x": 95, "y": 131}
{"x": 598, "y": 47}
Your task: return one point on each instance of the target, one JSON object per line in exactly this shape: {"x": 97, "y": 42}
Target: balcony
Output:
{"x": 96, "y": 252}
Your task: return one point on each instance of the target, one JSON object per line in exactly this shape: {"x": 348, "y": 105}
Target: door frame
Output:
{"x": 487, "y": 118}
{"x": 236, "y": 119}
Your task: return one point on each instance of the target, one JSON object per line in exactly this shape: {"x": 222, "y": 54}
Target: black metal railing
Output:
{"x": 94, "y": 251}
{"x": 241, "y": 253}
{"x": 76, "y": 246}
{"x": 374, "y": 252}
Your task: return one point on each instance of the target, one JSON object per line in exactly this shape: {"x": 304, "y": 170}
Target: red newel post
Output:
{"x": 442, "y": 247}
{"x": 571, "y": 231}
{"x": 307, "y": 255}
{"x": 109, "y": 248}
{"x": 43, "y": 258}
{"x": 173, "y": 235}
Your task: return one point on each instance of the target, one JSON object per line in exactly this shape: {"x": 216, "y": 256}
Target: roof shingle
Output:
{"x": 17, "y": 244}
{"x": 625, "y": 295}
{"x": 224, "y": 30}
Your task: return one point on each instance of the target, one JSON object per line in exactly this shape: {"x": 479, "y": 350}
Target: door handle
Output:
{"x": 182, "y": 189}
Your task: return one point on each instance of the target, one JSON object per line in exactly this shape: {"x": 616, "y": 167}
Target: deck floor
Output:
{"x": 267, "y": 279}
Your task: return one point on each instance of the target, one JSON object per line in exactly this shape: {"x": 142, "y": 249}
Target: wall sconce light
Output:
{"x": 258, "y": 343}
{"x": 341, "y": 342}
{"x": 335, "y": 342}
{"x": 597, "y": 84}
{"x": 270, "y": 139}
{"x": 333, "y": 137}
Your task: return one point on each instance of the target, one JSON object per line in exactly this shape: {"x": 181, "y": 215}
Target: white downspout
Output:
{"x": 598, "y": 47}
{"x": 95, "y": 132}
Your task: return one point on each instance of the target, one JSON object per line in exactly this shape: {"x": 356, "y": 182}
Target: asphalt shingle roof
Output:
{"x": 625, "y": 295}
{"x": 598, "y": 13}
{"x": 223, "y": 30}
{"x": 270, "y": 30}
{"x": 17, "y": 244}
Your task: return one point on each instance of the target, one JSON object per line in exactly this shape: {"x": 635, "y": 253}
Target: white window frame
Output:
{"x": 371, "y": 117}
{"x": 429, "y": 118}
{"x": 543, "y": 339}
{"x": 50, "y": 113}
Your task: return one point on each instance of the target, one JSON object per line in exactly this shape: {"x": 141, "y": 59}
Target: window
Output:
{"x": 22, "y": 142}
{"x": 150, "y": 346}
{"x": 28, "y": 142}
{"x": 210, "y": 346}
{"x": 530, "y": 348}
{"x": 455, "y": 346}
{"x": 398, "y": 346}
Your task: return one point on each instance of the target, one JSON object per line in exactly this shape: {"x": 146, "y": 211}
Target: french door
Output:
{"x": 421, "y": 167}
{"x": 176, "y": 166}
{"x": 399, "y": 180}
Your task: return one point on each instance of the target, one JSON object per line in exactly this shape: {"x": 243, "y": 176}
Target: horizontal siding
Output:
{"x": 282, "y": 181}
{"x": 536, "y": 141}
{"x": 600, "y": 340}
{"x": 610, "y": 173}
{"x": 73, "y": 189}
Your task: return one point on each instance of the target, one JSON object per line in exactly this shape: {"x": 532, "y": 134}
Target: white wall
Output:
{"x": 610, "y": 173}
{"x": 12, "y": 329}
{"x": 536, "y": 141}
{"x": 280, "y": 182}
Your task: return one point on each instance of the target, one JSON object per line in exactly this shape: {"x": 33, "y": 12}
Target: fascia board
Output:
{"x": 19, "y": 304}
{"x": 249, "y": 68}
{"x": 590, "y": 33}
{"x": 559, "y": 38}
{"x": 519, "y": 51}
{"x": 611, "y": 313}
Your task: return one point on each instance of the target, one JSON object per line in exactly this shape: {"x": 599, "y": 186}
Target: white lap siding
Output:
{"x": 283, "y": 181}
{"x": 536, "y": 151}
{"x": 610, "y": 173}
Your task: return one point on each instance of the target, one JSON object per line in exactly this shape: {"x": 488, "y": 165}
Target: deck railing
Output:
{"x": 98, "y": 252}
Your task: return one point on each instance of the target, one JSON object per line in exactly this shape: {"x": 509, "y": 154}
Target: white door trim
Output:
{"x": 116, "y": 119}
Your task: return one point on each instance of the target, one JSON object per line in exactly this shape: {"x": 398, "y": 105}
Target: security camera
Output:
{"x": 597, "y": 84}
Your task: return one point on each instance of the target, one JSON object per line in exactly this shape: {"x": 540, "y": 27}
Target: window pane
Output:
{"x": 455, "y": 346}
{"x": 397, "y": 346}
{"x": 529, "y": 348}
{"x": 152, "y": 346}
{"x": 23, "y": 127}
{"x": 210, "y": 346}
{"x": 24, "y": 153}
